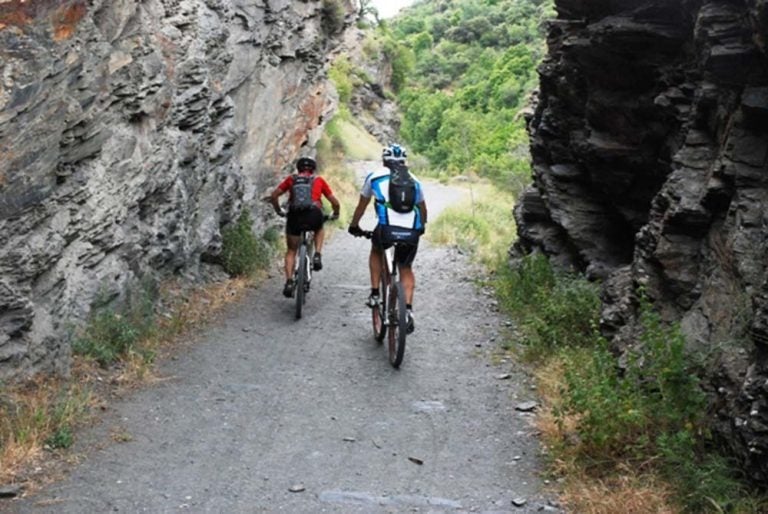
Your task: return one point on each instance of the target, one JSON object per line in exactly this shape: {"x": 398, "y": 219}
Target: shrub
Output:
{"x": 555, "y": 309}
{"x": 341, "y": 76}
{"x": 61, "y": 438}
{"x": 114, "y": 330}
{"x": 242, "y": 253}
{"x": 332, "y": 16}
{"x": 624, "y": 413}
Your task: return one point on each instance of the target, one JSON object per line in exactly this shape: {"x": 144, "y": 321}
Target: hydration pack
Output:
{"x": 402, "y": 188}
{"x": 301, "y": 192}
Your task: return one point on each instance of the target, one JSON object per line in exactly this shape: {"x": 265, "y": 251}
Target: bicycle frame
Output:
{"x": 302, "y": 270}
{"x": 389, "y": 317}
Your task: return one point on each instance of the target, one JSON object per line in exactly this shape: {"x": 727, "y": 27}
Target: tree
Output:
{"x": 366, "y": 8}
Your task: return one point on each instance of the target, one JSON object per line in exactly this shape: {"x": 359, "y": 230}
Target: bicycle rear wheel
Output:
{"x": 301, "y": 279}
{"x": 397, "y": 325}
{"x": 379, "y": 313}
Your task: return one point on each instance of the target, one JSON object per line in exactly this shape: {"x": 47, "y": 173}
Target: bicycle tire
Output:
{"x": 301, "y": 279}
{"x": 397, "y": 325}
{"x": 379, "y": 314}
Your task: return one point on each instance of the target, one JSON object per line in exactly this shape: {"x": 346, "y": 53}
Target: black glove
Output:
{"x": 355, "y": 230}
{"x": 421, "y": 230}
{"x": 282, "y": 213}
{"x": 334, "y": 216}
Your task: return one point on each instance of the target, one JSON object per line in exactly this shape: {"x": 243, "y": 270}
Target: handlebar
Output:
{"x": 363, "y": 233}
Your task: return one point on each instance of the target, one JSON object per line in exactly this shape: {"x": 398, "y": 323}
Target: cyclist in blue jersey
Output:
{"x": 394, "y": 224}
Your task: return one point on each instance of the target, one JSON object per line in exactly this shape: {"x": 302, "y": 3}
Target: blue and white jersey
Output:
{"x": 377, "y": 186}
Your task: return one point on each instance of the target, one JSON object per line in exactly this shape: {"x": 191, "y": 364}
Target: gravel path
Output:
{"x": 261, "y": 404}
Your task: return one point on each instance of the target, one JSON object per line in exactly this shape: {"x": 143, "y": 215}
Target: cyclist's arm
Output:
{"x": 279, "y": 190}
{"x": 422, "y": 205}
{"x": 362, "y": 204}
{"x": 273, "y": 199}
{"x": 328, "y": 193}
{"x": 334, "y": 204}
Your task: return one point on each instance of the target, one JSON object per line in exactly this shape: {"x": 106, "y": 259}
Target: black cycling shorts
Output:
{"x": 384, "y": 236}
{"x": 308, "y": 219}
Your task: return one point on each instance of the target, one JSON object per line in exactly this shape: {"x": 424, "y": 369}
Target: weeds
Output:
{"x": 242, "y": 252}
{"x": 43, "y": 415}
{"x": 630, "y": 438}
{"x": 482, "y": 226}
{"x": 554, "y": 309}
{"x": 38, "y": 415}
{"x": 621, "y": 428}
{"x": 112, "y": 334}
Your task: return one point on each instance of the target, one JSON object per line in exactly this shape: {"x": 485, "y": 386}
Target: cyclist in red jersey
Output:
{"x": 303, "y": 217}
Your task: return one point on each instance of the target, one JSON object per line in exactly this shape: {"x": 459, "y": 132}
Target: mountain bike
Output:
{"x": 302, "y": 270}
{"x": 390, "y": 316}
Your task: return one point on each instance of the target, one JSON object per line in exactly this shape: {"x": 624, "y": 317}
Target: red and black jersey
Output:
{"x": 320, "y": 188}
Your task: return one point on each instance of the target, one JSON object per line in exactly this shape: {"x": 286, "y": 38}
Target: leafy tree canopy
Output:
{"x": 464, "y": 71}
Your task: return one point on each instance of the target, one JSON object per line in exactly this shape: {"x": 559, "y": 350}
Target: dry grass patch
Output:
{"x": 626, "y": 493}
{"x": 616, "y": 488}
{"x": 38, "y": 418}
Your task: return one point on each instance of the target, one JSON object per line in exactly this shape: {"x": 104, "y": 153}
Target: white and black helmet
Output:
{"x": 393, "y": 153}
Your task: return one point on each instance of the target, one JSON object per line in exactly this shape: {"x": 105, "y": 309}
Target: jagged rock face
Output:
{"x": 370, "y": 105}
{"x": 650, "y": 155}
{"x": 130, "y": 133}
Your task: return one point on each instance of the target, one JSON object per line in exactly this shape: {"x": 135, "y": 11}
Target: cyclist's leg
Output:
{"x": 404, "y": 255}
{"x": 292, "y": 242}
{"x": 316, "y": 220}
{"x": 374, "y": 263}
{"x": 376, "y": 258}
{"x": 292, "y": 235}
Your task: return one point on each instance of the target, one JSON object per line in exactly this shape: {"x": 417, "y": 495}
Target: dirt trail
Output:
{"x": 261, "y": 403}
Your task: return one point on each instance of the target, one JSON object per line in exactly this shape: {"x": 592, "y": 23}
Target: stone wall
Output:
{"x": 650, "y": 155}
{"x": 131, "y": 132}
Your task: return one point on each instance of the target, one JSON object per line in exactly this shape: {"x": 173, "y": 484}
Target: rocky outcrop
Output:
{"x": 650, "y": 156}
{"x": 370, "y": 104}
{"x": 130, "y": 133}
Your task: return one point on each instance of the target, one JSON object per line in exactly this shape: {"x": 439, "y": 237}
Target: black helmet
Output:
{"x": 306, "y": 164}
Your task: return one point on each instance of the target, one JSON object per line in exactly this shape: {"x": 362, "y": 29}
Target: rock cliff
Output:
{"x": 131, "y": 132}
{"x": 650, "y": 155}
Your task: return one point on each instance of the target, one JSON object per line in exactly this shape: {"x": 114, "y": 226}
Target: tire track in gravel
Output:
{"x": 259, "y": 403}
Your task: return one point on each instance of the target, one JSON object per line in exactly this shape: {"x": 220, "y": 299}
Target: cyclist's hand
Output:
{"x": 334, "y": 216}
{"x": 421, "y": 231}
{"x": 355, "y": 230}
{"x": 282, "y": 213}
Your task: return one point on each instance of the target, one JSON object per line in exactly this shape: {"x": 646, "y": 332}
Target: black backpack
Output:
{"x": 301, "y": 192}
{"x": 402, "y": 188}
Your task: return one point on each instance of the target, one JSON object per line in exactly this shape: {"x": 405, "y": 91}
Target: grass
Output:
{"x": 482, "y": 226}
{"x": 40, "y": 417}
{"x": 634, "y": 439}
{"x": 344, "y": 140}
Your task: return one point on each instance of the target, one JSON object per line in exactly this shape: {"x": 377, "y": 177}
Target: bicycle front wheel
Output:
{"x": 397, "y": 325}
{"x": 301, "y": 279}
{"x": 379, "y": 313}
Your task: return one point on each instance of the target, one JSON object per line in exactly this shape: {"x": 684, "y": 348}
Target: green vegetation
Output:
{"x": 649, "y": 415}
{"x": 332, "y": 16}
{"x": 481, "y": 226}
{"x": 113, "y": 333}
{"x": 464, "y": 71}
{"x": 639, "y": 432}
{"x": 346, "y": 76}
{"x": 554, "y": 310}
{"x": 36, "y": 415}
{"x": 242, "y": 252}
